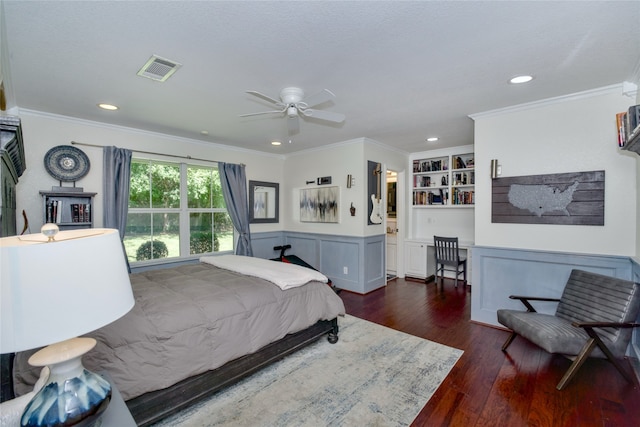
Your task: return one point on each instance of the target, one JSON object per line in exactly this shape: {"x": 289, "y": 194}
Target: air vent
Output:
{"x": 159, "y": 69}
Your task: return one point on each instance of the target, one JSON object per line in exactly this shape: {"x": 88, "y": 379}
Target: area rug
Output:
{"x": 373, "y": 376}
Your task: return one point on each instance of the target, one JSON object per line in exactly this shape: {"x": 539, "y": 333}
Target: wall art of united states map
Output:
{"x": 575, "y": 198}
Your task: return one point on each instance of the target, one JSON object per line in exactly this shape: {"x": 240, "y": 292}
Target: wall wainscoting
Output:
{"x": 634, "y": 351}
{"x": 500, "y": 272}
{"x": 352, "y": 263}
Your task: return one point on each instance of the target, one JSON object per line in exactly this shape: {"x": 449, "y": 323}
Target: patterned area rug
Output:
{"x": 373, "y": 376}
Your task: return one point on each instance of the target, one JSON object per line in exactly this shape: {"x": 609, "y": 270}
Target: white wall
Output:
{"x": 637, "y": 252}
{"x": 337, "y": 161}
{"x": 637, "y": 196}
{"x": 571, "y": 134}
{"x": 43, "y": 131}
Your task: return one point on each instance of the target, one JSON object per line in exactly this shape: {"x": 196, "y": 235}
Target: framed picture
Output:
{"x": 263, "y": 202}
{"x": 319, "y": 204}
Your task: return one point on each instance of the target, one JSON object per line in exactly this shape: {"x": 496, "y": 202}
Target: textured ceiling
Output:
{"x": 401, "y": 71}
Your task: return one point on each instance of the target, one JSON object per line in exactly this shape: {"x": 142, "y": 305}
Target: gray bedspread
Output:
{"x": 191, "y": 319}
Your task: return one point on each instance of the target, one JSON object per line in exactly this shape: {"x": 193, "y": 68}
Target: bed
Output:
{"x": 198, "y": 328}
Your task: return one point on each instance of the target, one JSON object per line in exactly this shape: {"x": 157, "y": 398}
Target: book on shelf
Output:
{"x": 53, "y": 212}
{"x": 621, "y": 120}
{"x": 461, "y": 197}
{"x": 80, "y": 212}
{"x": 49, "y": 212}
{"x": 58, "y": 211}
{"x": 416, "y": 166}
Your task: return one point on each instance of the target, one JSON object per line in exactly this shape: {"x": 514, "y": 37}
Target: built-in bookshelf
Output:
{"x": 444, "y": 181}
{"x": 68, "y": 209}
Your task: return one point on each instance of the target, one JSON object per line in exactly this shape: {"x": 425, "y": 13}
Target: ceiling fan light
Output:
{"x": 292, "y": 112}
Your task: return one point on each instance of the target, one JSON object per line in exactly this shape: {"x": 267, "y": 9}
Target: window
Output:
{"x": 175, "y": 210}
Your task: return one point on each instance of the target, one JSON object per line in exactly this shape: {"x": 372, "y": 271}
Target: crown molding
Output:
{"x": 75, "y": 120}
{"x": 616, "y": 88}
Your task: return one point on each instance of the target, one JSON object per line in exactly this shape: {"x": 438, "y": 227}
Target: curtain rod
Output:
{"x": 150, "y": 152}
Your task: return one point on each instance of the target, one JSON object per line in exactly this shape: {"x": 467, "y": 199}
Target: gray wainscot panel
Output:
{"x": 500, "y": 272}
{"x": 634, "y": 351}
{"x": 352, "y": 263}
{"x": 263, "y": 243}
{"x": 374, "y": 263}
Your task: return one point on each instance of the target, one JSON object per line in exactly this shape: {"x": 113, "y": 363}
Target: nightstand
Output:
{"x": 117, "y": 414}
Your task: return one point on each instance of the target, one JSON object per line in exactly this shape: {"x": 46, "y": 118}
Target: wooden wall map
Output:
{"x": 575, "y": 198}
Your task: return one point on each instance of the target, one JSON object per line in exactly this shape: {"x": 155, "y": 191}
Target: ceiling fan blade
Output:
{"x": 320, "y": 97}
{"x": 263, "y": 112}
{"x": 265, "y": 97}
{"x": 324, "y": 115}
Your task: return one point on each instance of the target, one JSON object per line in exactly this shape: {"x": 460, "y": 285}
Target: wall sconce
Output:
{"x": 496, "y": 169}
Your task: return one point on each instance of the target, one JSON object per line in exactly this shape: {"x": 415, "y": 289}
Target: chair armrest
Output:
{"x": 525, "y": 300}
{"x": 604, "y": 325}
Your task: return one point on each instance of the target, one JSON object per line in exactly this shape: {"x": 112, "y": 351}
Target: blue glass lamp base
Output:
{"x": 72, "y": 396}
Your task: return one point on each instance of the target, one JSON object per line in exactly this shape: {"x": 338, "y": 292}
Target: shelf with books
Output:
{"x": 628, "y": 124}
{"x": 444, "y": 181}
{"x": 68, "y": 209}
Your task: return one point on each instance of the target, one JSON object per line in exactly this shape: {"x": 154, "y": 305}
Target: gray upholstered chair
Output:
{"x": 594, "y": 318}
{"x": 447, "y": 254}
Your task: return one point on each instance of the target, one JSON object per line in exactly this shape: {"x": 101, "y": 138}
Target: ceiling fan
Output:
{"x": 294, "y": 104}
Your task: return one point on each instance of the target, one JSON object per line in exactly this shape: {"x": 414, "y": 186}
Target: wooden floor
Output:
{"x": 488, "y": 387}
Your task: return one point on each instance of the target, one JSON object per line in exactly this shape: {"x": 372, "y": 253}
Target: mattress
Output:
{"x": 191, "y": 319}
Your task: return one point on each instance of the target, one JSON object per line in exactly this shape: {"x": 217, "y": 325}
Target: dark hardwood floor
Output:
{"x": 488, "y": 387}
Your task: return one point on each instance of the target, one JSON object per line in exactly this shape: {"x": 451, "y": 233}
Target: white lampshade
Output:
{"x": 54, "y": 291}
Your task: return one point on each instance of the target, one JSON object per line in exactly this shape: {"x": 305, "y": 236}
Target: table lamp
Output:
{"x": 54, "y": 287}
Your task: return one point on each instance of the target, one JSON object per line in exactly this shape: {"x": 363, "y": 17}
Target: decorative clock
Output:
{"x": 66, "y": 163}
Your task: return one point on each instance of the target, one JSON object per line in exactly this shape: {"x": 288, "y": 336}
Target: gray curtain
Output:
{"x": 234, "y": 189}
{"x": 115, "y": 185}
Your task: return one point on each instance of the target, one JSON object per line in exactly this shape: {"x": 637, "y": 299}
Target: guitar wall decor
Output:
{"x": 376, "y": 200}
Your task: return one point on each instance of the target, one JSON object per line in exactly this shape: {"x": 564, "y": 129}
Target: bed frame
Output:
{"x": 156, "y": 405}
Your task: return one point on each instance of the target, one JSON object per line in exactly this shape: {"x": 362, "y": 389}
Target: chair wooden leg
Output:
{"x": 509, "y": 340}
{"x": 577, "y": 363}
{"x": 609, "y": 355}
{"x": 464, "y": 273}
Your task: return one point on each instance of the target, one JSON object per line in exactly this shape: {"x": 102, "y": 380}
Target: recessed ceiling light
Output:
{"x": 276, "y": 143}
{"x": 521, "y": 79}
{"x": 432, "y": 139}
{"x": 109, "y": 107}
{"x": 204, "y": 132}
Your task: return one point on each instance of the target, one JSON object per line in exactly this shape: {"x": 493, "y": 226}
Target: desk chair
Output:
{"x": 447, "y": 254}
